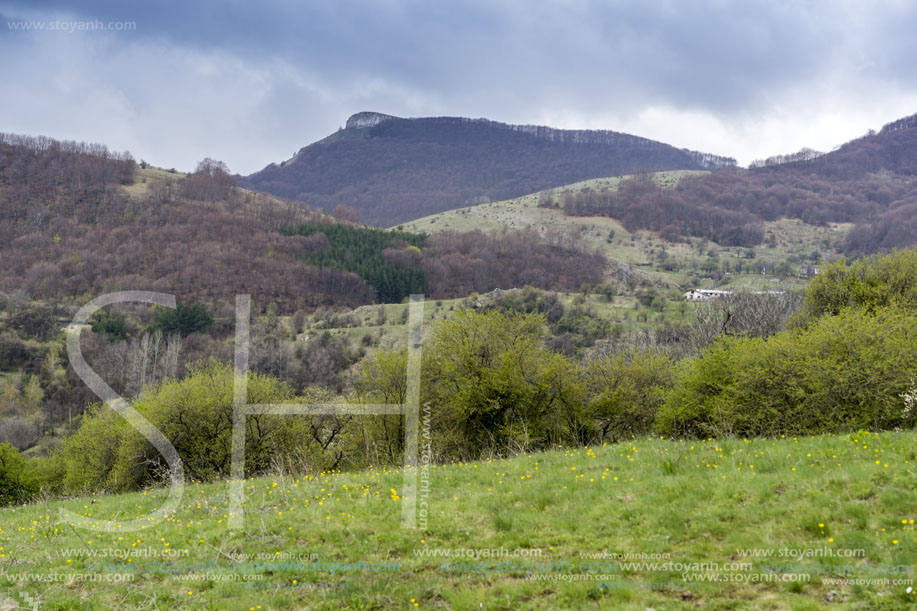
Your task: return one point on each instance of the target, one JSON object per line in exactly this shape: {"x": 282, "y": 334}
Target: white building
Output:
{"x": 704, "y": 294}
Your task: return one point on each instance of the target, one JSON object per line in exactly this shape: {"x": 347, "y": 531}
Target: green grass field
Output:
{"x": 661, "y": 524}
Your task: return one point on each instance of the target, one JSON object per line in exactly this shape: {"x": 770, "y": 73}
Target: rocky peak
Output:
{"x": 367, "y": 119}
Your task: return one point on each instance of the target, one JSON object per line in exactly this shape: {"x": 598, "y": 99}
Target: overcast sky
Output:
{"x": 252, "y": 82}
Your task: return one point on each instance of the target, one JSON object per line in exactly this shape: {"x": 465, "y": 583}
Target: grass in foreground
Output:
{"x": 763, "y": 524}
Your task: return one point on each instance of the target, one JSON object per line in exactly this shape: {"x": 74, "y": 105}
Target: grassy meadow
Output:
{"x": 787, "y": 523}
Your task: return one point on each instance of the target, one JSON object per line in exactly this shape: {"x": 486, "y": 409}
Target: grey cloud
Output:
{"x": 316, "y": 62}
{"x": 718, "y": 55}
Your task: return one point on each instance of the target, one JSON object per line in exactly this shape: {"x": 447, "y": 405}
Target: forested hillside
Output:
{"x": 393, "y": 170}
{"x": 452, "y": 264}
{"x": 77, "y": 220}
{"x": 871, "y": 181}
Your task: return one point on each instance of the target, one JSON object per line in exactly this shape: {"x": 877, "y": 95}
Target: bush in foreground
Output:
{"x": 495, "y": 388}
{"x": 195, "y": 414}
{"x": 14, "y": 482}
{"x": 869, "y": 283}
{"x": 843, "y": 373}
{"x": 628, "y": 390}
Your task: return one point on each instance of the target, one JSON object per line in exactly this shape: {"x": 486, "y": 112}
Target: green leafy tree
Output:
{"x": 14, "y": 484}
{"x": 628, "y": 389}
{"x": 869, "y": 283}
{"x": 37, "y": 322}
{"x": 382, "y": 378}
{"x": 195, "y": 414}
{"x": 494, "y": 387}
{"x": 842, "y": 373}
{"x": 183, "y": 319}
{"x": 110, "y": 325}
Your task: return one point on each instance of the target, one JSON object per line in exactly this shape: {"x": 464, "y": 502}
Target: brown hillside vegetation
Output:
{"x": 77, "y": 221}
{"x": 869, "y": 181}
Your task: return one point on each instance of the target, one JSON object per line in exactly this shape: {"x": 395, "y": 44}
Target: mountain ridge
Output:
{"x": 708, "y": 161}
{"x": 392, "y": 169}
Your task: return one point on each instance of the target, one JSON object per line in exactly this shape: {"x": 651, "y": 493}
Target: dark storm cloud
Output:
{"x": 515, "y": 60}
{"x": 717, "y": 55}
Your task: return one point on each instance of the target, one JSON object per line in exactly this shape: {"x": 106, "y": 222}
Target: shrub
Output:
{"x": 110, "y": 325}
{"x": 195, "y": 414}
{"x": 17, "y": 353}
{"x": 37, "y": 322}
{"x": 14, "y": 485}
{"x": 494, "y": 387}
{"x": 628, "y": 390}
{"x": 645, "y": 296}
{"x": 382, "y": 378}
{"x": 870, "y": 283}
{"x": 572, "y": 329}
{"x": 89, "y": 456}
{"x": 844, "y": 372}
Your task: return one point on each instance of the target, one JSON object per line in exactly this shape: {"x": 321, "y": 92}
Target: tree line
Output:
{"x": 450, "y": 264}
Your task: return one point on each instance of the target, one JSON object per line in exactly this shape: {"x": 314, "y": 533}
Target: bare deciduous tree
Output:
{"x": 748, "y": 314}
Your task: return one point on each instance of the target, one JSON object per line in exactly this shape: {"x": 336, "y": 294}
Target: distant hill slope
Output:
{"x": 671, "y": 263}
{"x": 870, "y": 181}
{"x": 393, "y": 170}
{"x": 892, "y": 149}
{"x": 869, "y": 184}
{"x": 77, "y": 219}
